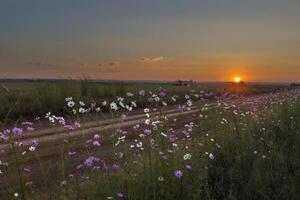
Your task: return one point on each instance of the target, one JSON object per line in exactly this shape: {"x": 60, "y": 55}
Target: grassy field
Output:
{"x": 24, "y": 100}
{"x": 242, "y": 143}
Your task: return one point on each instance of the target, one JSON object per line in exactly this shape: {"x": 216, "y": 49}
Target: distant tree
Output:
{"x": 295, "y": 84}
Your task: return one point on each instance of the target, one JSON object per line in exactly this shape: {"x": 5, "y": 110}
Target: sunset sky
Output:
{"x": 208, "y": 40}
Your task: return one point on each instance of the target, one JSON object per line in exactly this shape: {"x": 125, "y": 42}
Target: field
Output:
{"x": 90, "y": 140}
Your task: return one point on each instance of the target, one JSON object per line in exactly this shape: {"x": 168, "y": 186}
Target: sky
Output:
{"x": 205, "y": 40}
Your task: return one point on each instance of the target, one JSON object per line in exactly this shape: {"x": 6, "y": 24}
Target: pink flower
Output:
{"x": 142, "y": 92}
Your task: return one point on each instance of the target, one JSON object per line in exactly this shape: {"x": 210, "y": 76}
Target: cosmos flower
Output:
{"x": 81, "y": 103}
{"x": 178, "y": 174}
{"x": 129, "y": 94}
{"x": 187, "y": 156}
{"x": 81, "y": 110}
{"x": 71, "y": 104}
{"x": 211, "y": 156}
{"x": 115, "y": 166}
{"x": 188, "y": 167}
{"x": 104, "y": 103}
{"x": 90, "y": 160}
{"x": 120, "y": 195}
{"x": 32, "y": 148}
{"x": 17, "y": 131}
{"x": 113, "y": 106}
{"x": 142, "y": 92}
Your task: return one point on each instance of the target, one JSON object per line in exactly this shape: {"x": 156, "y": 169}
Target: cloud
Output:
{"x": 114, "y": 63}
{"x": 153, "y": 59}
{"x": 42, "y": 64}
{"x": 105, "y": 67}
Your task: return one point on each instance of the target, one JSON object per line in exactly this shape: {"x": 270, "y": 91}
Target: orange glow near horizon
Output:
{"x": 237, "y": 79}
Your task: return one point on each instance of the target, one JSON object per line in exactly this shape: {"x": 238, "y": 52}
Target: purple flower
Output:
{"x": 30, "y": 129}
{"x": 17, "y": 131}
{"x": 172, "y": 138}
{"x": 79, "y": 166}
{"x": 34, "y": 142}
{"x": 77, "y": 125}
{"x": 120, "y": 155}
{"x": 120, "y": 195}
{"x": 115, "y": 166}
{"x": 181, "y": 107}
{"x": 147, "y": 131}
{"x": 90, "y": 160}
{"x": 162, "y": 94}
{"x": 96, "y": 143}
{"x": 189, "y": 167}
{"x": 178, "y": 173}
{"x": 72, "y": 153}
{"x": 142, "y": 92}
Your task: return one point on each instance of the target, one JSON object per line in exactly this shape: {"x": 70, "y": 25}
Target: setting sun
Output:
{"x": 237, "y": 79}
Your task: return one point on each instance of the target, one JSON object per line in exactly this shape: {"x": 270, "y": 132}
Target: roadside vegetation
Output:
{"x": 25, "y": 100}
{"x": 231, "y": 147}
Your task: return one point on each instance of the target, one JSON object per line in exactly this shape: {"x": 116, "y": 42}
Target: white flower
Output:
{"x": 211, "y": 156}
{"x": 71, "y": 104}
{"x": 161, "y": 178}
{"x": 129, "y": 94}
{"x": 147, "y": 121}
{"x": 48, "y": 115}
{"x": 51, "y": 119}
{"x": 146, "y": 110}
{"x": 189, "y": 103}
{"x": 156, "y": 98}
{"x": 81, "y": 103}
{"x": 104, "y": 103}
{"x": 113, "y": 106}
{"x": 187, "y": 156}
{"x": 129, "y": 108}
{"x": 98, "y": 109}
{"x": 173, "y": 99}
{"x": 69, "y": 99}
{"x": 32, "y": 148}
{"x": 164, "y": 103}
{"x": 81, "y": 110}
{"x": 122, "y": 104}
{"x": 163, "y": 134}
{"x": 74, "y": 111}
{"x": 139, "y": 145}
{"x": 120, "y": 99}
{"x": 16, "y": 194}
{"x": 134, "y": 104}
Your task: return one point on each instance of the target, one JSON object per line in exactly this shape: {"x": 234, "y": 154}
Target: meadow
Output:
{"x": 199, "y": 141}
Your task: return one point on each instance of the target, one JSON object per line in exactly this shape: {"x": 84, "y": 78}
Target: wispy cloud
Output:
{"x": 153, "y": 59}
{"x": 105, "y": 67}
{"x": 42, "y": 64}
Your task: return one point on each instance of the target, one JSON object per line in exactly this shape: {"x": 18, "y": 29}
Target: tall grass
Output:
{"x": 32, "y": 99}
{"x": 236, "y": 153}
